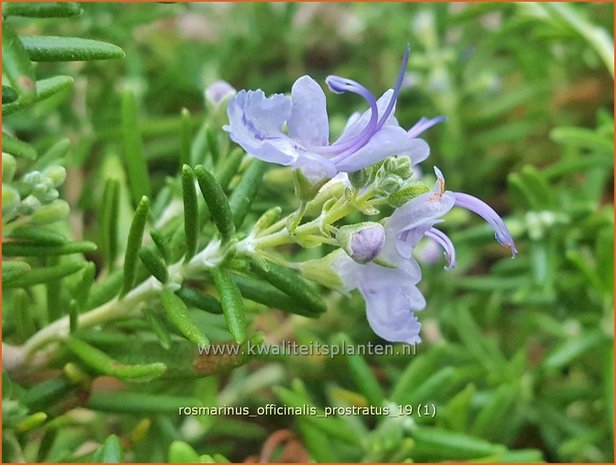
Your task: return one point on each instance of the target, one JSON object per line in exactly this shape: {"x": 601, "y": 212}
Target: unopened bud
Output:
{"x": 362, "y": 242}
{"x": 10, "y": 200}
{"x": 9, "y": 166}
{"x": 218, "y": 92}
{"x": 390, "y": 184}
{"x": 50, "y": 213}
{"x": 33, "y": 178}
{"x": 29, "y": 205}
{"x": 56, "y": 175}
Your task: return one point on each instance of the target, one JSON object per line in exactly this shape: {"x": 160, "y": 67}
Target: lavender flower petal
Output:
{"x": 308, "y": 122}
{"x": 387, "y": 141}
{"x": 390, "y": 301}
{"x": 479, "y": 207}
{"x": 424, "y": 124}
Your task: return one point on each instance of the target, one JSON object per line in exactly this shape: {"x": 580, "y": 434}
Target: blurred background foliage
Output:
{"x": 517, "y": 354}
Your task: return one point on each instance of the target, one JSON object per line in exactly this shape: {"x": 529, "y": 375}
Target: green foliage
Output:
{"x": 114, "y": 269}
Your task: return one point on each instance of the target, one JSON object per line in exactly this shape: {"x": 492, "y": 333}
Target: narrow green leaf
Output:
{"x": 135, "y": 237}
{"x": 162, "y": 244}
{"x": 55, "y": 154}
{"x": 73, "y": 316}
{"x": 43, "y": 394}
{"x": 434, "y": 443}
{"x": 110, "y": 451}
{"x": 332, "y": 426}
{"x": 24, "y": 321}
{"x": 16, "y": 64}
{"x": 31, "y": 422}
{"x": 134, "y": 158}
{"x": 42, "y": 236}
{"x": 418, "y": 370}
{"x": 191, "y": 211}
{"x": 85, "y": 285}
{"x": 158, "y": 328}
{"x": 178, "y": 314}
{"x": 267, "y": 219}
{"x": 110, "y": 217}
{"x": 44, "y": 89}
{"x": 232, "y": 304}
{"x": 13, "y": 269}
{"x": 55, "y": 309}
{"x": 264, "y": 293}
{"x": 138, "y": 402}
{"x": 48, "y": 48}
{"x": 101, "y": 362}
{"x": 289, "y": 282}
{"x": 8, "y": 95}
{"x": 229, "y": 167}
{"x": 362, "y": 375}
{"x": 27, "y": 249}
{"x": 199, "y": 299}
{"x": 44, "y": 275}
{"x": 213, "y": 144}
{"x": 105, "y": 290}
{"x": 51, "y": 213}
{"x": 185, "y": 137}
{"x": 217, "y": 202}
{"x": 491, "y": 415}
{"x": 572, "y": 348}
{"x": 246, "y": 190}
{"x": 181, "y": 452}
{"x": 154, "y": 263}
{"x": 17, "y": 147}
{"x": 42, "y": 9}
{"x": 583, "y": 138}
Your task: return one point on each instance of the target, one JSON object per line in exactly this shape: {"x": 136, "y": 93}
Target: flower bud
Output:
{"x": 9, "y": 166}
{"x": 390, "y": 184}
{"x": 363, "y": 241}
{"x": 10, "y": 201}
{"x": 56, "y": 175}
{"x": 217, "y": 92}
{"x": 50, "y": 213}
{"x": 29, "y": 205}
{"x": 360, "y": 178}
{"x": 33, "y": 178}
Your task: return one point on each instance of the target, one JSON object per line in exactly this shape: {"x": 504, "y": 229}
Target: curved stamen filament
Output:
{"x": 441, "y": 239}
{"x": 340, "y": 85}
{"x": 482, "y": 209}
{"x": 394, "y": 97}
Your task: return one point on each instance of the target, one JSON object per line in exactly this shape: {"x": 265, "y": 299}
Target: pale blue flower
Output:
{"x": 219, "y": 91}
{"x": 256, "y": 123}
{"x": 389, "y": 284}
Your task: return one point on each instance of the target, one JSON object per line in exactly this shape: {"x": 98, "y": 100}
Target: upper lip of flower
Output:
{"x": 256, "y": 121}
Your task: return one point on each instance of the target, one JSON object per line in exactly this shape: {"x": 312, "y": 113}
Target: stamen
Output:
{"x": 394, "y": 97}
{"x": 441, "y": 239}
{"x": 367, "y": 134}
{"x": 479, "y": 207}
{"x": 440, "y": 182}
